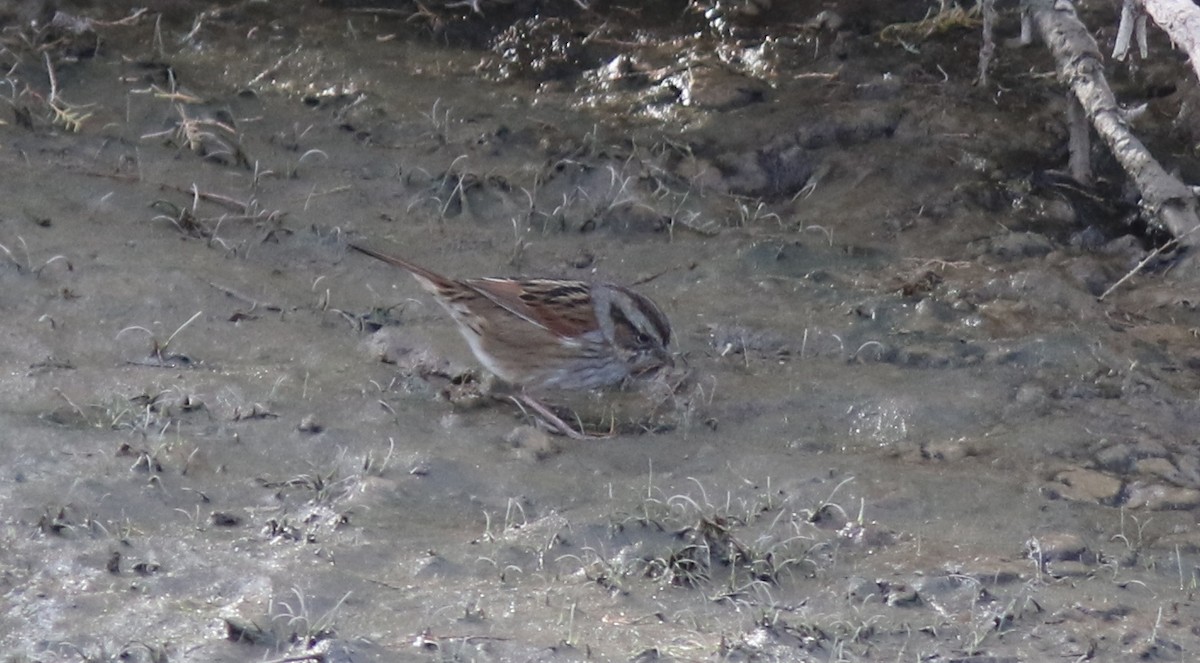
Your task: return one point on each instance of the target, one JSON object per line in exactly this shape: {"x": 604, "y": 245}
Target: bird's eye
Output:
{"x": 643, "y": 338}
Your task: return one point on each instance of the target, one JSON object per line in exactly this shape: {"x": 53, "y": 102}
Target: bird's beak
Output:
{"x": 666, "y": 357}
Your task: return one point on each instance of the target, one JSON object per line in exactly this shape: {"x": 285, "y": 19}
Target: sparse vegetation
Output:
{"x": 213, "y": 419}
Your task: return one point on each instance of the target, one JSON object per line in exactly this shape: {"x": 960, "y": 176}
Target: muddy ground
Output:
{"x": 912, "y": 429}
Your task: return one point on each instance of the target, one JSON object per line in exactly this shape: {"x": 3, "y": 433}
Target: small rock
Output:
{"x": 943, "y": 586}
{"x": 1116, "y": 458}
{"x": 1158, "y": 467}
{"x": 1011, "y": 246}
{"x": 631, "y": 218}
{"x": 1189, "y": 469}
{"x": 859, "y": 589}
{"x": 309, "y": 425}
{"x": 532, "y": 443}
{"x": 433, "y": 566}
{"x": 1161, "y": 497}
{"x": 1146, "y": 447}
{"x": 1056, "y": 547}
{"x": 1056, "y": 214}
{"x": 716, "y": 88}
{"x": 825, "y": 20}
{"x": 1127, "y": 247}
{"x": 1033, "y": 396}
{"x": 147, "y": 568}
{"x": 410, "y": 354}
{"x": 948, "y": 450}
{"x": 995, "y": 571}
{"x": 1082, "y": 485}
{"x": 900, "y": 594}
{"x": 1090, "y": 238}
{"x": 246, "y": 631}
{"x": 372, "y": 491}
{"x": 225, "y": 519}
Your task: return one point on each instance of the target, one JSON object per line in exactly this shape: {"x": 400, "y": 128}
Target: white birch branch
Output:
{"x": 1079, "y": 64}
{"x": 1079, "y": 142}
{"x": 988, "y": 49}
{"x": 1180, "y": 19}
{"x": 1132, "y": 20}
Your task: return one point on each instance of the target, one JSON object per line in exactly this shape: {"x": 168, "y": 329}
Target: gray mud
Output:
{"x": 911, "y": 429}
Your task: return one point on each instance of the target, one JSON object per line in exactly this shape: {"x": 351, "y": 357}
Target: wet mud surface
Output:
{"x": 916, "y": 425}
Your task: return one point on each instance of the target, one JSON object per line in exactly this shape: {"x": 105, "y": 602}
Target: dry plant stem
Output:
{"x": 254, "y": 303}
{"x": 274, "y": 69}
{"x": 550, "y": 418}
{"x": 989, "y": 40}
{"x": 175, "y": 333}
{"x": 53, "y": 79}
{"x": 217, "y": 198}
{"x": 298, "y": 659}
{"x": 1079, "y": 142}
{"x": 1138, "y": 267}
{"x": 1079, "y": 64}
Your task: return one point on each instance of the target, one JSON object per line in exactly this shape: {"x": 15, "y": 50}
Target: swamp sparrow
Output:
{"x": 551, "y": 333}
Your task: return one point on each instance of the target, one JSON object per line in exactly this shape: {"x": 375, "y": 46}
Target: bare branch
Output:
{"x": 1080, "y": 66}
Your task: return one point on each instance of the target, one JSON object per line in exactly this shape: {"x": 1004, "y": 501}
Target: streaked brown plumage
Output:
{"x": 550, "y": 333}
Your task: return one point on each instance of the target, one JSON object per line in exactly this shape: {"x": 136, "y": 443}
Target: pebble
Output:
{"x": 948, "y": 450}
{"x": 1160, "y": 497}
{"x": 717, "y": 88}
{"x": 900, "y": 594}
{"x": 1033, "y": 397}
{"x": 1056, "y": 546}
{"x": 1083, "y": 485}
{"x": 1159, "y": 467}
{"x": 529, "y": 443}
{"x": 1011, "y": 246}
{"x": 1116, "y": 458}
{"x": 310, "y": 425}
{"x": 1030, "y": 393}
